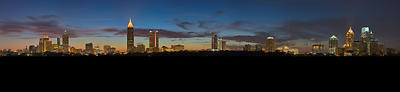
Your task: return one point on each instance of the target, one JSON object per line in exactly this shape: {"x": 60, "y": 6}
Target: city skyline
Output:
{"x": 193, "y": 30}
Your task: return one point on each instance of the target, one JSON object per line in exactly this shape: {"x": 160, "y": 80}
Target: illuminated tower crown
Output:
{"x": 130, "y": 25}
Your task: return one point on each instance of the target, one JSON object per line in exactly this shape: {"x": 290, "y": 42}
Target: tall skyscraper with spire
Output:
{"x": 349, "y": 38}
{"x": 65, "y": 41}
{"x": 349, "y": 42}
{"x": 130, "y": 38}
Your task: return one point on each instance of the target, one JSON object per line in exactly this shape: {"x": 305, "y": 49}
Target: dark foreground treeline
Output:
{"x": 203, "y": 57}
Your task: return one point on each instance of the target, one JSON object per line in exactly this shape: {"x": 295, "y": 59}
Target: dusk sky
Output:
{"x": 188, "y": 22}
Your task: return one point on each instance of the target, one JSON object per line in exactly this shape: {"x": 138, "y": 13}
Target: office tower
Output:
{"x": 43, "y": 44}
{"x": 96, "y": 49}
{"x": 223, "y": 45}
{"x": 349, "y": 42}
{"x": 65, "y": 42}
{"x": 247, "y": 47}
{"x": 318, "y": 48}
{"x": 89, "y": 48}
{"x": 220, "y": 44}
{"x": 49, "y": 46}
{"x": 33, "y": 49}
{"x": 141, "y": 48}
{"x": 130, "y": 38}
{"x": 349, "y": 38}
{"x": 270, "y": 44}
{"x": 333, "y": 45}
{"x": 107, "y": 48}
{"x": 368, "y": 45}
{"x": 178, "y": 47}
{"x": 153, "y": 39}
{"x": 258, "y": 47}
{"x": 214, "y": 42}
{"x": 58, "y": 41}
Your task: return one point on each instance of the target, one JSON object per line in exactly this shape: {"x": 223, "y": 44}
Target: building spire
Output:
{"x": 130, "y": 25}
{"x": 351, "y": 30}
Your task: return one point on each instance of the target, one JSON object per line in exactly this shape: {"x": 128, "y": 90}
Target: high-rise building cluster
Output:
{"x": 217, "y": 44}
{"x": 154, "y": 42}
{"x": 367, "y": 45}
{"x": 46, "y": 45}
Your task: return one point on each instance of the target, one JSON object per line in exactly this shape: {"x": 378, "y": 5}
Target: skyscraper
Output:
{"x": 89, "y": 48}
{"x": 58, "y": 41}
{"x": 270, "y": 44}
{"x": 214, "y": 42}
{"x": 349, "y": 48}
{"x": 59, "y": 48}
{"x": 333, "y": 45}
{"x": 33, "y": 49}
{"x": 318, "y": 48}
{"x": 65, "y": 42}
{"x": 130, "y": 38}
{"x": 349, "y": 38}
{"x": 223, "y": 47}
{"x": 367, "y": 42}
{"x": 49, "y": 46}
{"x": 43, "y": 44}
{"x": 153, "y": 39}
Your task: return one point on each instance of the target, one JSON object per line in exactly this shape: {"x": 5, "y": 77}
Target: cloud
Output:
{"x": 46, "y": 24}
{"x": 218, "y": 13}
{"x": 163, "y": 33}
{"x": 257, "y": 38}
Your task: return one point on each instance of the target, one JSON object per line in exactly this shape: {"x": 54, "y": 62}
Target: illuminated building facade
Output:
{"x": 286, "y": 49}
{"x": 317, "y": 49}
{"x": 214, "y": 42}
{"x": 270, "y": 44}
{"x": 153, "y": 41}
{"x": 65, "y": 42}
{"x": 223, "y": 45}
{"x": 43, "y": 44}
{"x": 130, "y": 38}
{"x": 89, "y": 48}
{"x": 141, "y": 48}
{"x": 349, "y": 42}
{"x": 333, "y": 45}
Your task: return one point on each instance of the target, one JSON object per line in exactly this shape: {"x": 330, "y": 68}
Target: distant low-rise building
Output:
{"x": 178, "y": 47}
